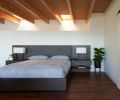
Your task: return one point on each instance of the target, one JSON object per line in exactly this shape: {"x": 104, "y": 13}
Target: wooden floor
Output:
{"x": 83, "y": 86}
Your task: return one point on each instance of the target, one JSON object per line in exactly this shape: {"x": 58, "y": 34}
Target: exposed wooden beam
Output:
{"x": 39, "y": 14}
{"x": 52, "y": 12}
{"x": 9, "y": 17}
{"x": 2, "y": 21}
{"x": 91, "y": 9}
{"x": 70, "y": 10}
{"x": 12, "y": 10}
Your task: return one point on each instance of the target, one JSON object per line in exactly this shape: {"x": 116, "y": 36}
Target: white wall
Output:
{"x": 94, "y": 37}
{"x": 67, "y": 25}
{"x": 111, "y": 42}
{"x": 118, "y": 51}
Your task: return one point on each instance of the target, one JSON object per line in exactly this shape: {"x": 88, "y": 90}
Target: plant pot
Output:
{"x": 97, "y": 64}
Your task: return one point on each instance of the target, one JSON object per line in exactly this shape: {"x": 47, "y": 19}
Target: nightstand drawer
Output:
{"x": 78, "y": 69}
{"x": 81, "y": 63}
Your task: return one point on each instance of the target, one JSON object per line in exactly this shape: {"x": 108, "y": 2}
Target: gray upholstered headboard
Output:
{"x": 51, "y": 50}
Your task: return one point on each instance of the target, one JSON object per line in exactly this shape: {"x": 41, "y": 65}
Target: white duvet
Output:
{"x": 36, "y": 69}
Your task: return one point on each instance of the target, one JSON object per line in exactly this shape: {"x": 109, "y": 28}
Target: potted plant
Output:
{"x": 98, "y": 57}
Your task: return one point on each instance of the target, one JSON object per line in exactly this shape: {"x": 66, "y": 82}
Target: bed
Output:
{"x": 19, "y": 77}
{"x": 26, "y": 75}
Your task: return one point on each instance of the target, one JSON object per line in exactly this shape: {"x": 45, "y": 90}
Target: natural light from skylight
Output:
{"x": 66, "y": 17}
{"x": 68, "y": 25}
{"x": 27, "y": 26}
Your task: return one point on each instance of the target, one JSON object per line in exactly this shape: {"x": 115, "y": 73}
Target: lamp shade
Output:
{"x": 19, "y": 50}
{"x": 81, "y": 50}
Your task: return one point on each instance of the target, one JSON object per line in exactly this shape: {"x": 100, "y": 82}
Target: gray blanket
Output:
{"x": 36, "y": 69}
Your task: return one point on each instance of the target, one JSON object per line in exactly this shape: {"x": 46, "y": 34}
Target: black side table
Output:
{"x": 81, "y": 65}
{"x": 12, "y": 61}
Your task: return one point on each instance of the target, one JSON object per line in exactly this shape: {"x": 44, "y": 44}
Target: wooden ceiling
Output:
{"x": 30, "y": 10}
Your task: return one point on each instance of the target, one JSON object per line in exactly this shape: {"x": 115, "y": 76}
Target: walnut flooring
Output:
{"x": 82, "y": 86}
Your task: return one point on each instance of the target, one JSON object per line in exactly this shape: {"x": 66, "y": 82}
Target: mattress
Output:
{"x": 36, "y": 69}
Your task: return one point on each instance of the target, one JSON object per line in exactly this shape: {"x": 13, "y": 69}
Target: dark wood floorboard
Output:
{"x": 83, "y": 86}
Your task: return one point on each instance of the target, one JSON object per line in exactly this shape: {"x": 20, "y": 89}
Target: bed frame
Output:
{"x": 39, "y": 84}
{"x": 34, "y": 84}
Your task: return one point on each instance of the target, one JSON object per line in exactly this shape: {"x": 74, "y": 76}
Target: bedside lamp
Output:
{"x": 19, "y": 50}
{"x": 81, "y": 50}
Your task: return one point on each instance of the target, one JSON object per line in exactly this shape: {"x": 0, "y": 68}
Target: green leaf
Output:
{"x": 99, "y": 54}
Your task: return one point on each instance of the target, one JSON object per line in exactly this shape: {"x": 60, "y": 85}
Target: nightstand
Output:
{"x": 12, "y": 61}
{"x": 79, "y": 65}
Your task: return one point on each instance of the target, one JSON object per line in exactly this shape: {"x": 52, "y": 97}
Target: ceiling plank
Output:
{"x": 52, "y": 12}
{"x": 32, "y": 11}
{"x": 2, "y": 21}
{"x": 91, "y": 9}
{"x": 101, "y": 6}
{"x": 12, "y": 10}
{"x": 9, "y": 17}
{"x": 70, "y": 10}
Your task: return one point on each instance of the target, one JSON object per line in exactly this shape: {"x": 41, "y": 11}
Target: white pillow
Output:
{"x": 38, "y": 57}
{"x": 59, "y": 57}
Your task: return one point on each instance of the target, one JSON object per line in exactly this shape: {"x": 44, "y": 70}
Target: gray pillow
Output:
{"x": 38, "y": 57}
{"x": 59, "y": 57}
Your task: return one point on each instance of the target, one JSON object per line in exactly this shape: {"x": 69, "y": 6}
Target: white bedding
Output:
{"x": 36, "y": 69}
